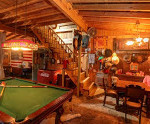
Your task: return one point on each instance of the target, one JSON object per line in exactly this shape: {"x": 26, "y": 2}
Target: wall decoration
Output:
{"x": 130, "y": 44}
{"x": 134, "y": 67}
{"x": 100, "y": 42}
{"x": 91, "y": 58}
{"x": 16, "y": 55}
{"x": 85, "y": 41}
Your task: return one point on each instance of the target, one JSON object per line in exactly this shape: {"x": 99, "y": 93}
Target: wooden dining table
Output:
{"x": 121, "y": 87}
{"x": 121, "y": 84}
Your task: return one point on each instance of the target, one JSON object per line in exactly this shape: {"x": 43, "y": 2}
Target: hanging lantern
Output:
{"x": 115, "y": 59}
{"x": 22, "y": 44}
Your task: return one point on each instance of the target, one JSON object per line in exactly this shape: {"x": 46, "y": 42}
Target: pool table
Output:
{"x": 31, "y": 105}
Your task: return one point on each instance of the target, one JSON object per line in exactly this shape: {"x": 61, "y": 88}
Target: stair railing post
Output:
{"x": 87, "y": 64}
{"x": 79, "y": 71}
{"x": 63, "y": 77}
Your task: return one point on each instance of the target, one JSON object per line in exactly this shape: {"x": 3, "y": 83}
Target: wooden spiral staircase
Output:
{"x": 51, "y": 40}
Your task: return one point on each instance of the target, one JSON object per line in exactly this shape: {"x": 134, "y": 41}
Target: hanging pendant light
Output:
{"x": 138, "y": 40}
{"x": 20, "y": 44}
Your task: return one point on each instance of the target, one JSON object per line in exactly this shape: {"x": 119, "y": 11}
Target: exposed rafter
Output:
{"x": 113, "y": 7}
{"x": 10, "y": 29}
{"x": 115, "y": 14}
{"x": 109, "y": 1}
{"x": 64, "y": 7}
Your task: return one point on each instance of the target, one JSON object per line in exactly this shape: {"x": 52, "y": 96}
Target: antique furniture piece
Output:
{"x": 108, "y": 91}
{"x": 122, "y": 84}
{"x": 48, "y": 76}
{"x": 30, "y": 104}
{"x": 134, "y": 99}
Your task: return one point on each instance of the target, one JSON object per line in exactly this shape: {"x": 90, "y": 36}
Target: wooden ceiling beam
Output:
{"x": 9, "y": 34}
{"x": 120, "y": 33}
{"x": 53, "y": 22}
{"x": 108, "y": 1}
{"x": 115, "y": 14}
{"x": 8, "y": 21}
{"x": 11, "y": 29}
{"x": 18, "y": 6}
{"x": 39, "y": 4}
{"x": 50, "y": 14}
{"x": 116, "y": 26}
{"x": 39, "y": 15}
{"x": 117, "y": 20}
{"x": 49, "y": 18}
{"x": 67, "y": 10}
{"x": 113, "y": 7}
{"x": 26, "y": 13}
{"x": 45, "y": 19}
{"x": 12, "y": 37}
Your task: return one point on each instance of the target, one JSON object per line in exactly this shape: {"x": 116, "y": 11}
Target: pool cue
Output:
{"x": 13, "y": 86}
{"x": 2, "y": 90}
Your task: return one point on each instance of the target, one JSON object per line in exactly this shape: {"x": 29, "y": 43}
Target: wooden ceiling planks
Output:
{"x": 117, "y": 20}
{"x": 116, "y": 15}
{"x": 142, "y": 15}
{"x": 67, "y": 10}
{"x": 28, "y": 13}
{"x": 114, "y": 7}
{"x": 108, "y": 1}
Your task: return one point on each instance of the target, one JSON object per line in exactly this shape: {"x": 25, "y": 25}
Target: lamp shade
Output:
{"x": 115, "y": 59}
{"x": 22, "y": 44}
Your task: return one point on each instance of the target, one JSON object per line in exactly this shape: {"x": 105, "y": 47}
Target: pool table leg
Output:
{"x": 59, "y": 112}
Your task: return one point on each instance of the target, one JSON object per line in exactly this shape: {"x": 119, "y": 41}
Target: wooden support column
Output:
{"x": 2, "y": 39}
{"x": 79, "y": 71}
{"x": 63, "y": 77}
{"x": 87, "y": 64}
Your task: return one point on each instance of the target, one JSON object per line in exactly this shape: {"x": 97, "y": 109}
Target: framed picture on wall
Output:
{"x": 100, "y": 42}
{"x": 121, "y": 44}
{"x": 16, "y": 55}
{"x": 134, "y": 66}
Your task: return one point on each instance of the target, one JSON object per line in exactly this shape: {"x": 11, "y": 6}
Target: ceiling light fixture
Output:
{"x": 138, "y": 40}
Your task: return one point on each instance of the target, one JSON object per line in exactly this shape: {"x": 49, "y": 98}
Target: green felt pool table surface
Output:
{"x": 21, "y": 102}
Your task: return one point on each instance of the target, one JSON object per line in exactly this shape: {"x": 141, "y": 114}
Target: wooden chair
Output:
{"x": 134, "y": 99}
{"x": 108, "y": 91}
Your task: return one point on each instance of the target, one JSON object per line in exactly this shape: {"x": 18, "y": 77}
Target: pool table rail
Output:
{"x": 42, "y": 113}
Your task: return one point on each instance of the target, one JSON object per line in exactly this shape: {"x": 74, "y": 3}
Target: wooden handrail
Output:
{"x": 46, "y": 30}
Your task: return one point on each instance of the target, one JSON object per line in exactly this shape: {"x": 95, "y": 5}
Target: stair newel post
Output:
{"x": 79, "y": 71}
{"x": 51, "y": 36}
{"x": 53, "y": 39}
{"x": 63, "y": 77}
{"x": 48, "y": 35}
{"x": 44, "y": 31}
{"x": 87, "y": 64}
{"x": 60, "y": 45}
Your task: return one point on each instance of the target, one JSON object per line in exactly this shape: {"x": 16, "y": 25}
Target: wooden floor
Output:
{"x": 93, "y": 112}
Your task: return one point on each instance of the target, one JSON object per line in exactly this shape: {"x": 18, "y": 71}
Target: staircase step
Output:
{"x": 82, "y": 76}
{"x": 75, "y": 71}
{"x": 72, "y": 65}
{"x": 64, "y": 55}
{"x": 92, "y": 89}
{"x": 70, "y": 60}
{"x": 73, "y": 78}
{"x": 96, "y": 91}
{"x": 87, "y": 83}
{"x": 57, "y": 47}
